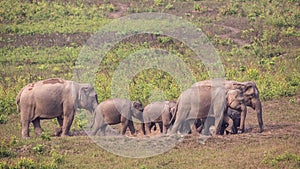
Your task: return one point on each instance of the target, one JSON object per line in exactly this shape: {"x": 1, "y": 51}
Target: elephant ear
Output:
{"x": 234, "y": 95}
{"x": 240, "y": 86}
{"x": 250, "y": 89}
{"x": 83, "y": 94}
{"x": 230, "y": 96}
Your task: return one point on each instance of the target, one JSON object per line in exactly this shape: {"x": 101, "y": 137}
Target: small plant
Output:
{"x": 38, "y": 149}
{"x": 158, "y": 2}
{"x": 3, "y": 119}
{"x": 45, "y": 137}
{"x": 169, "y": 6}
{"x": 197, "y": 7}
{"x": 4, "y": 152}
{"x": 57, "y": 158}
{"x": 164, "y": 39}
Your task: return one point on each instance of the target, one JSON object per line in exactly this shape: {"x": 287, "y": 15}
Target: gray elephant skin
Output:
{"x": 207, "y": 100}
{"x": 53, "y": 98}
{"x": 251, "y": 98}
{"x": 115, "y": 111}
{"x": 158, "y": 112}
{"x": 234, "y": 117}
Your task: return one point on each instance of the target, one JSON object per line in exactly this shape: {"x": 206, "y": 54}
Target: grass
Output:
{"x": 260, "y": 43}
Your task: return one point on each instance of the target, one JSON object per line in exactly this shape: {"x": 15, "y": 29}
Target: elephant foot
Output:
{"x": 26, "y": 137}
{"x": 65, "y": 135}
{"x": 212, "y": 130}
{"x": 57, "y": 132}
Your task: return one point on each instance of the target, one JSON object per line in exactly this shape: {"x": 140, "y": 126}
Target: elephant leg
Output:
{"x": 148, "y": 128}
{"x": 58, "y": 130}
{"x": 210, "y": 121}
{"x": 103, "y": 130}
{"x": 165, "y": 128}
{"x": 200, "y": 125}
{"x": 25, "y": 128}
{"x": 143, "y": 128}
{"x": 97, "y": 125}
{"x": 179, "y": 123}
{"x": 228, "y": 120}
{"x": 131, "y": 127}
{"x": 67, "y": 122}
{"x": 193, "y": 126}
{"x": 124, "y": 125}
{"x": 37, "y": 126}
{"x": 160, "y": 127}
{"x": 243, "y": 117}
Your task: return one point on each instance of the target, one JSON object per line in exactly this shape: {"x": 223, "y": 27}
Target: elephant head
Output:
{"x": 235, "y": 100}
{"x": 251, "y": 97}
{"x": 137, "y": 109}
{"x": 87, "y": 97}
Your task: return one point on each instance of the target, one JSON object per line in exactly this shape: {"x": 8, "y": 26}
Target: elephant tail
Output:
{"x": 18, "y": 98}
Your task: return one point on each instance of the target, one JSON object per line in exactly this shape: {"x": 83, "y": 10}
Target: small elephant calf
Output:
{"x": 158, "y": 112}
{"x": 115, "y": 111}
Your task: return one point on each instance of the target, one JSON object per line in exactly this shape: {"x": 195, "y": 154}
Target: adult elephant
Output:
{"x": 53, "y": 98}
{"x": 207, "y": 100}
{"x": 158, "y": 112}
{"x": 251, "y": 97}
{"x": 115, "y": 111}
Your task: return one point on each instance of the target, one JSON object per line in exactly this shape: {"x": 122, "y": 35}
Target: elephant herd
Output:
{"x": 207, "y": 107}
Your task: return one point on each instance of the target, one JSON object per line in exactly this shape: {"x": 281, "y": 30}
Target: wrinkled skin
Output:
{"x": 250, "y": 95}
{"x": 53, "y": 98}
{"x": 234, "y": 117}
{"x": 158, "y": 112}
{"x": 205, "y": 101}
{"x": 232, "y": 114}
{"x": 115, "y": 111}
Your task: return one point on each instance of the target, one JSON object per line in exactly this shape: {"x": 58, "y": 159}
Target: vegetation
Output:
{"x": 256, "y": 40}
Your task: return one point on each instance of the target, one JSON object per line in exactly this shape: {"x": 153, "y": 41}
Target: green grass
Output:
{"x": 46, "y": 17}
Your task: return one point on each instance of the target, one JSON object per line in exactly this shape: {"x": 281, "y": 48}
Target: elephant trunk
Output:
{"x": 258, "y": 109}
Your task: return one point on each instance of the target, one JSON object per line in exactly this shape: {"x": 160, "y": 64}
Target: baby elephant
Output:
{"x": 231, "y": 118}
{"x": 158, "y": 112}
{"x": 115, "y": 111}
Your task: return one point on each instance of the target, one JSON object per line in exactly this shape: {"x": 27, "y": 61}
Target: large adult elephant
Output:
{"x": 207, "y": 100}
{"x": 158, "y": 112}
{"x": 53, "y": 98}
{"x": 251, "y": 97}
{"x": 115, "y": 111}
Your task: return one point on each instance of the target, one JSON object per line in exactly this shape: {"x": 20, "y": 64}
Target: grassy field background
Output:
{"x": 256, "y": 40}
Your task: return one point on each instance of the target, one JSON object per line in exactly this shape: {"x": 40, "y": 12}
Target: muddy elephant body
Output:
{"x": 115, "y": 111}
{"x": 53, "y": 98}
{"x": 158, "y": 112}
{"x": 204, "y": 100}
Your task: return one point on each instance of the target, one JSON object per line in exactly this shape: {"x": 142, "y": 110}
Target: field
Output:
{"x": 255, "y": 41}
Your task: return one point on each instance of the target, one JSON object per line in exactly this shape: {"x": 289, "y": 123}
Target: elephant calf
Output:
{"x": 115, "y": 111}
{"x": 158, "y": 112}
{"x": 232, "y": 122}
